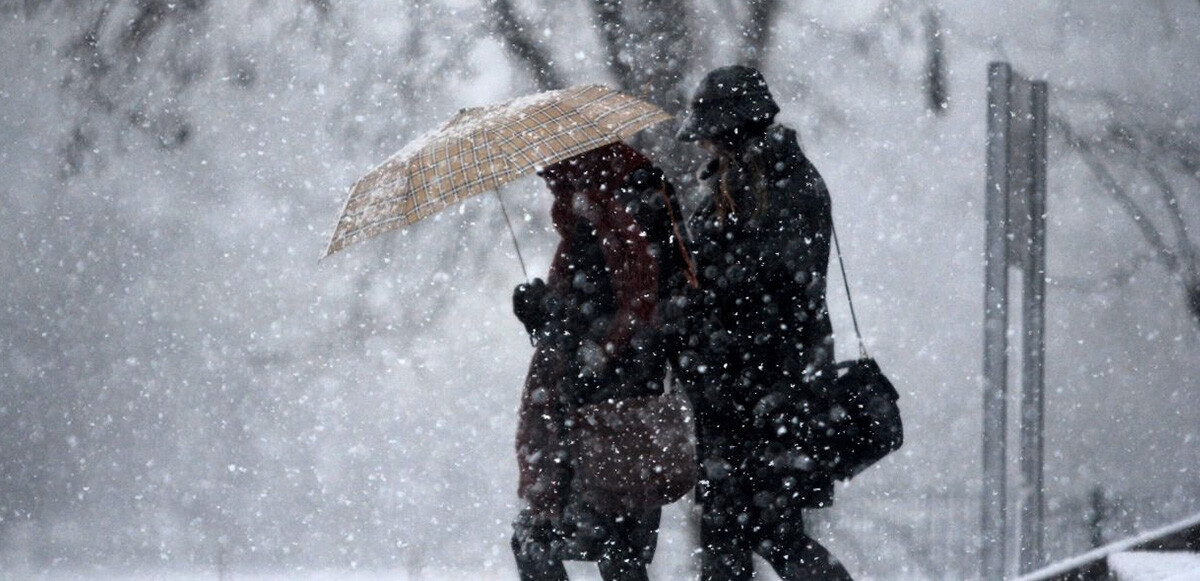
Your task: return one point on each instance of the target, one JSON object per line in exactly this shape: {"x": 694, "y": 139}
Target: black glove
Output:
{"x": 683, "y": 313}
{"x": 644, "y": 178}
{"x": 529, "y": 305}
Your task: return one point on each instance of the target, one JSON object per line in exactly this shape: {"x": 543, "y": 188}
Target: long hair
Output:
{"x": 723, "y": 197}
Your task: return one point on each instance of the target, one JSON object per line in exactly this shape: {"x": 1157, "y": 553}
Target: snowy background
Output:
{"x": 186, "y": 392}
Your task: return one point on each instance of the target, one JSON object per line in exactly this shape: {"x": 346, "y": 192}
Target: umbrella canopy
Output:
{"x": 482, "y": 148}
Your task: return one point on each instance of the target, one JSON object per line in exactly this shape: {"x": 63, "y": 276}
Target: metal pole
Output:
{"x": 1033, "y": 366}
{"x": 995, "y": 342}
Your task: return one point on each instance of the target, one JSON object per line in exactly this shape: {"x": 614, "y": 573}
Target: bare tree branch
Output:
{"x": 1151, "y": 151}
{"x": 149, "y": 19}
{"x": 936, "y": 92}
{"x": 1187, "y": 250}
{"x": 1165, "y": 254}
{"x": 648, "y": 44}
{"x": 607, "y": 14}
{"x": 666, "y": 54}
{"x": 1190, "y": 269}
{"x": 323, "y": 7}
{"x": 1180, "y": 147}
{"x": 1181, "y": 260}
{"x": 515, "y": 35}
{"x": 1117, "y": 277}
{"x": 757, "y": 31}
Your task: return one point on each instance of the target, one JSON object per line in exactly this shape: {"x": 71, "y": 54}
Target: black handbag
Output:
{"x": 869, "y": 425}
{"x": 865, "y": 413}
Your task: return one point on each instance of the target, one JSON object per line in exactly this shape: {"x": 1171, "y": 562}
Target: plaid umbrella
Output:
{"x": 482, "y": 148}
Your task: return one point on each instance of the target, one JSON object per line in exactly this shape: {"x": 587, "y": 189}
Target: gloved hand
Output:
{"x": 644, "y": 178}
{"x": 529, "y": 304}
{"x": 684, "y": 303}
{"x": 592, "y": 358}
{"x": 683, "y": 317}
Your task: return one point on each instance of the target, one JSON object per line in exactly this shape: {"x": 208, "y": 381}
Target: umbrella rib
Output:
{"x": 512, "y": 233}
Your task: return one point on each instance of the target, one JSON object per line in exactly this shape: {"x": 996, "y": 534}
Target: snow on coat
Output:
{"x": 759, "y": 339}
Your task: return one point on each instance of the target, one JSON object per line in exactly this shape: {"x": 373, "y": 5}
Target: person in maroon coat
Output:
{"x": 594, "y": 323}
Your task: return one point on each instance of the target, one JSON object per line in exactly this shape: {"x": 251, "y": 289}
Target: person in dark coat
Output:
{"x": 594, "y": 321}
{"x": 758, "y": 350}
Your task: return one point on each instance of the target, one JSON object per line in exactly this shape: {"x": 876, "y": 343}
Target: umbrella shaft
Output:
{"x": 512, "y": 233}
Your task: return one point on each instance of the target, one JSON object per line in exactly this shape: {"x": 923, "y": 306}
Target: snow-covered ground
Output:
{"x": 1155, "y": 566}
{"x": 293, "y": 575}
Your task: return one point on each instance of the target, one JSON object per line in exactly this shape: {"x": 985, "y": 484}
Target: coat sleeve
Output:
{"x": 795, "y": 259}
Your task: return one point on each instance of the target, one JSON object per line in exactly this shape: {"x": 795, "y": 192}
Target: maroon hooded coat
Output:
{"x": 605, "y": 277}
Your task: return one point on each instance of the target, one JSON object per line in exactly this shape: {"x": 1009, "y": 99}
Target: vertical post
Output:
{"x": 1033, "y": 366}
{"x": 995, "y": 328}
{"x": 1096, "y": 519}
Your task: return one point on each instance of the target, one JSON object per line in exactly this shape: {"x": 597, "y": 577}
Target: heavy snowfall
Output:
{"x": 188, "y": 392}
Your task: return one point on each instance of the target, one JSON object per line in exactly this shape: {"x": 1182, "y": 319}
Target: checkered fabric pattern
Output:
{"x": 482, "y": 148}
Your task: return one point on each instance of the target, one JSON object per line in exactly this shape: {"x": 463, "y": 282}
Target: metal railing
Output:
{"x": 1093, "y": 565}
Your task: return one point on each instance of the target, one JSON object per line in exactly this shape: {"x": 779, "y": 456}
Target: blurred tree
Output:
{"x": 1158, "y": 162}
{"x": 112, "y": 66}
{"x": 650, "y": 50}
{"x": 143, "y": 373}
{"x": 936, "y": 91}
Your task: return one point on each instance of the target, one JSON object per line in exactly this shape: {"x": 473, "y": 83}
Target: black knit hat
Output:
{"x": 727, "y": 98}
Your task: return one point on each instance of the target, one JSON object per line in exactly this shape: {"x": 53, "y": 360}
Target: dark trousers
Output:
{"x": 621, "y": 546}
{"x": 731, "y": 531}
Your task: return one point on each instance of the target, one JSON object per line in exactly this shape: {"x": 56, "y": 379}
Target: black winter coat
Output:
{"x": 759, "y": 344}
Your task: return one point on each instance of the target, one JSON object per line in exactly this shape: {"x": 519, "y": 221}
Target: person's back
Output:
{"x": 762, "y": 338}
{"x": 767, "y": 261}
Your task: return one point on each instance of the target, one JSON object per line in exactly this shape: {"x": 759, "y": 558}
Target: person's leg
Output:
{"x": 618, "y": 569}
{"x": 793, "y": 554}
{"x": 724, "y": 548}
{"x": 532, "y": 545}
{"x": 630, "y": 547}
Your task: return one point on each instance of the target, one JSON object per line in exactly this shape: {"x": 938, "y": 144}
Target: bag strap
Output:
{"x": 862, "y": 348}
{"x": 689, "y": 266}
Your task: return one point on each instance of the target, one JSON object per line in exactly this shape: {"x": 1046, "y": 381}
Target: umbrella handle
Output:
{"x": 512, "y": 233}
